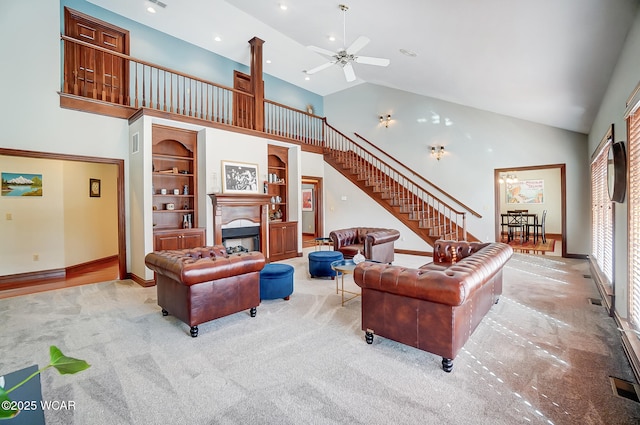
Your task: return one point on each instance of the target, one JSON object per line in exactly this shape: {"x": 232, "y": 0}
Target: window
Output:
{"x": 633, "y": 205}
{"x": 602, "y": 210}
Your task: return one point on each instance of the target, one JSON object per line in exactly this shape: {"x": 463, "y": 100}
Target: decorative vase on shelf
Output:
{"x": 358, "y": 258}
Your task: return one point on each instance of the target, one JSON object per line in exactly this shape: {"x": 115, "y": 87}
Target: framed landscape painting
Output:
{"x": 239, "y": 177}
{"x": 21, "y": 184}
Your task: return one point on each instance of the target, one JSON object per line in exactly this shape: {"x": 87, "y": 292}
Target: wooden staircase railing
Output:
{"x": 427, "y": 215}
{"x": 419, "y": 176}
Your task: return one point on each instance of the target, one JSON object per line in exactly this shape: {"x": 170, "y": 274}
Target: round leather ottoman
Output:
{"x": 276, "y": 281}
{"x": 320, "y": 263}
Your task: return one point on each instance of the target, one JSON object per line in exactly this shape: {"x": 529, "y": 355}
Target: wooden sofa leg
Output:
{"x": 253, "y": 311}
{"x": 194, "y": 331}
{"x": 447, "y": 364}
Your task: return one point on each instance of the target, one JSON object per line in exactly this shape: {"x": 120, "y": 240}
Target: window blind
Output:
{"x": 633, "y": 205}
{"x": 602, "y": 213}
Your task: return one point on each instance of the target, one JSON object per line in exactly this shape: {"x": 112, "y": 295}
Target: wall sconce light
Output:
{"x": 509, "y": 178}
{"x": 385, "y": 120}
{"x": 437, "y": 153}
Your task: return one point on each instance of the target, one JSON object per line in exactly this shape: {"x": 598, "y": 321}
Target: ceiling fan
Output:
{"x": 346, "y": 56}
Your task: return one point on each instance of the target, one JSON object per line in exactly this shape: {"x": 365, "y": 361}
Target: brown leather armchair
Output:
{"x": 374, "y": 243}
{"x": 436, "y": 307}
{"x": 203, "y": 284}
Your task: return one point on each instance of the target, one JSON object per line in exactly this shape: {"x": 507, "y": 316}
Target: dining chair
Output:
{"x": 515, "y": 223}
{"x": 538, "y": 226}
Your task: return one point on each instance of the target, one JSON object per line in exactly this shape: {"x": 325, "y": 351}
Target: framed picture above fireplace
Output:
{"x": 239, "y": 177}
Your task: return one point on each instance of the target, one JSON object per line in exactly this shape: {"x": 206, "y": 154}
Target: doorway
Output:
{"x": 120, "y": 196}
{"x": 550, "y": 196}
{"x": 312, "y": 206}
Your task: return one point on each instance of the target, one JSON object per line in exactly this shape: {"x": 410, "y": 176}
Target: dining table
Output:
{"x": 519, "y": 219}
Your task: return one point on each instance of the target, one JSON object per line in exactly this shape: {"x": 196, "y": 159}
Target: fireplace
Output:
{"x": 241, "y": 238}
{"x": 251, "y": 210}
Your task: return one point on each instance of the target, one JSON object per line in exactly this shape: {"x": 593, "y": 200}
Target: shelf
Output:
{"x": 173, "y": 157}
{"x": 172, "y": 211}
{"x": 174, "y": 149}
{"x": 157, "y": 174}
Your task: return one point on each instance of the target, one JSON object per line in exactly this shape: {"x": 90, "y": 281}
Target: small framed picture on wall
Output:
{"x": 94, "y": 188}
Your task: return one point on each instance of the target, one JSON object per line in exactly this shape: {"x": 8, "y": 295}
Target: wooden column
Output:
{"x": 257, "y": 84}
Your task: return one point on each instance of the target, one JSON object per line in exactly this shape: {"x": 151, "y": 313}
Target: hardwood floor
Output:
{"x": 308, "y": 240}
{"x": 98, "y": 273}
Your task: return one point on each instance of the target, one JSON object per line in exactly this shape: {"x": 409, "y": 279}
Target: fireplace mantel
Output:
{"x": 228, "y": 207}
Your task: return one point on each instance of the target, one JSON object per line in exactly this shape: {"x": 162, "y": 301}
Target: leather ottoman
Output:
{"x": 320, "y": 263}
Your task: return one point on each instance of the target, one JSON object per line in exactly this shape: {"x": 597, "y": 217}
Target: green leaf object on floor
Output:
{"x": 65, "y": 365}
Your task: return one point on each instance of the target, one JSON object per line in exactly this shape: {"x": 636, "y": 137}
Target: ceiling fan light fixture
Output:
{"x": 346, "y": 56}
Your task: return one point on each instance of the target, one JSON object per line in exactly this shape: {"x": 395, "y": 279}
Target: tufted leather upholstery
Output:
{"x": 437, "y": 306}
{"x": 203, "y": 284}
{"x": 372, "y": 242}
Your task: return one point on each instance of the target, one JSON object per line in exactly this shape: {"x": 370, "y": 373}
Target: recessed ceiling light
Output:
{"x": 283, "y": 6}
{"x": 151, "y": 9}
{"x": 332, "y": 38}
{"x": 408, "y": 53}
{"x": 268, "y": 61}
{"x": 217, "y": 38}
{"x": 307, "y": 78}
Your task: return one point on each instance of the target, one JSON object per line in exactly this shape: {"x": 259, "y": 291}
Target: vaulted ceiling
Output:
{"x": 546, "y": 61}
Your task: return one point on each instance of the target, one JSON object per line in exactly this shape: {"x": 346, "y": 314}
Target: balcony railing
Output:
{"x": 164, "y": 89}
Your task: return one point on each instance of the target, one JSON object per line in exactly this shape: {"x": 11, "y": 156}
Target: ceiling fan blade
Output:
{"x": 372, "y": 61}
{"x": 319, "y": 68}
{"x": 349, "y": 73}
{"x": 357, "y": 45}
{"x": 321, "y": 51}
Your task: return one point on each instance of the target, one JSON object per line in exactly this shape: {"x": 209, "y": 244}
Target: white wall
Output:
{"x": 37, "y": 222}
{"x": 476, "y": 143}
{"x": 90, "y": 223}
{"x": 623, "y": 82}
{"x": 34, "y": 121}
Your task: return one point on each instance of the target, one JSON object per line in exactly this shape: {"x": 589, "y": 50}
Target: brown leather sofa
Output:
{"x": 203, "y": 284}
{"x": 436, "y": 307}
{"x": 374, "y": 243}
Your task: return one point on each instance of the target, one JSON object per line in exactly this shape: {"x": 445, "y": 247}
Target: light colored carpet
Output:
{"x": 542, "y": 355}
